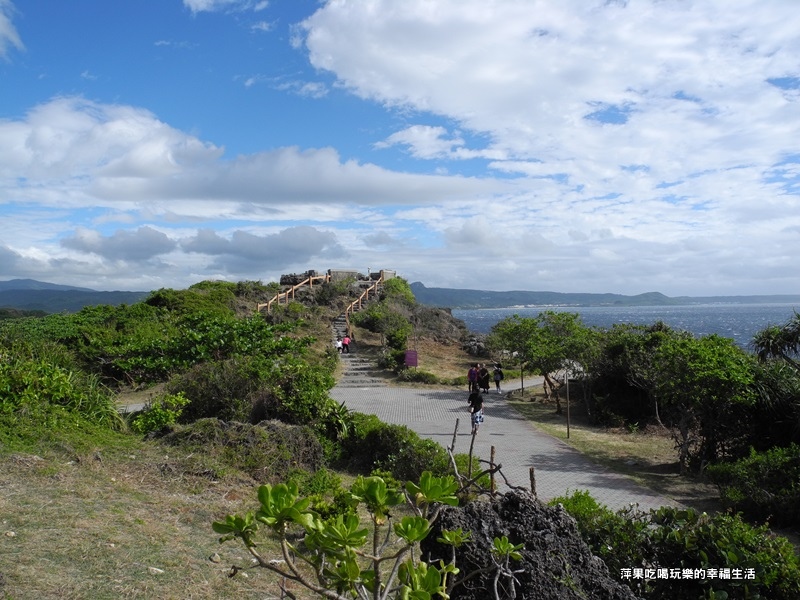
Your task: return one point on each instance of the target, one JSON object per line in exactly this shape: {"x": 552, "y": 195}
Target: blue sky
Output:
{"x": 580, "y": 145}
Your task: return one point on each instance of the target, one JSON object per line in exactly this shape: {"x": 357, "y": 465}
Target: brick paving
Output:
{"x": 559, "y": 469}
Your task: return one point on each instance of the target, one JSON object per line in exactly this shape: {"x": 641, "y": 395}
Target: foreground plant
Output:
{"x": 339, "y": 559}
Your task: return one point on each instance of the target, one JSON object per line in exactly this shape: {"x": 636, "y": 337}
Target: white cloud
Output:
{"x": 133, "y": 246}
{"x": 9, "y": 38}
{"x": 220, "y": 5}
{"x": 600, "y": 146}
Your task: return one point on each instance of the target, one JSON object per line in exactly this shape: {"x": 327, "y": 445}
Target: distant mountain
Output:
{"x": 29, "y": 294}
{"x": 465, "y": 298}
{"x": 32, "y": 284}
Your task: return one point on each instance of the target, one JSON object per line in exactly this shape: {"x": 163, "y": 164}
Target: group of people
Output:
{"x": 342, "y": 344}
{"x": 478, "y": 378}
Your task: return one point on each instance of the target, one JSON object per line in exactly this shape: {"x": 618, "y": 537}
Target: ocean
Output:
{"x": 737, "y": 321}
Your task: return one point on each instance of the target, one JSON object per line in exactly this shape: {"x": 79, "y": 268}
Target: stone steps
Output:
{"x": 358, "y": 371}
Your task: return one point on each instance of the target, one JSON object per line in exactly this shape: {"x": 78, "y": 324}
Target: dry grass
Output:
{"x": 130, "y": 526}
{"x": 446, "y": 361}
{"x": 646, "y": 455}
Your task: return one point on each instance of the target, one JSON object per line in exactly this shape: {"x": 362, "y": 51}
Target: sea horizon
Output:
{"x": 738, "y": 321}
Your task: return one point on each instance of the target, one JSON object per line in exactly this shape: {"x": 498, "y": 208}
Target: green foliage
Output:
{"x": 672, "y": 538}
{"x": 391, "y": 315}
{"x": 619, "y": 538}
{"x": 398, "y": 289}
{"x": 780, "y": 341}
{"x": 381, "y": 317}
{"x": 338, "y": 550}
{"x": 213, "y": 297}
{"x": 764, "y": 485}
{"x": 324, "y": 488}
{"x": 162, "y": 412}
{"x": 418, "y": 376}
{"x": 269, "y": 451}
{"x": 329, "y": 292}
{"x": 704, "y": 386}
{"x": 35, "y": 388}
{"x": 393, "y": 448}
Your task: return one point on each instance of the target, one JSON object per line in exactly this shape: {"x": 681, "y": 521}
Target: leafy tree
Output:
{"x": 548, "y": 343}
{"x": 624, "y": 371}
{"x": 509, "y": 339}
{"x": 704, "y": 385}
{"x": 780, "y": 341}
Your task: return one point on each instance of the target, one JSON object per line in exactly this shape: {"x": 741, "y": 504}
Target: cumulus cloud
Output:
{"x": 132, "y": 246}
{"x": 108, "y": 154}
{"x": 561, "y": 84}
{"x": 596, "y": 146}
{"x": 243, "y": 250}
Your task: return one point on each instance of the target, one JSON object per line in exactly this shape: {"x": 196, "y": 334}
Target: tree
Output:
{"x": 509, "y": 338}
{"x": 780, "y": 341}
{"x": 625, "y": 372}
{"x": 547, "y": 343}
{"x": 704, "y": 384}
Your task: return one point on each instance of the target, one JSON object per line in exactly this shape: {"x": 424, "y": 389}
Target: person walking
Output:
{"x": 472, "y": 378}
{"x": 476, "y": 410}
{"x": 346, "y": 344}
{"x": 483, "y": 378}
{"x": 338, "y": 344}
{"x": 498, "y": 377}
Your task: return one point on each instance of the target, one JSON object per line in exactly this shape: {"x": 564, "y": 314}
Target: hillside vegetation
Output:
{"x": 98, "y": 504}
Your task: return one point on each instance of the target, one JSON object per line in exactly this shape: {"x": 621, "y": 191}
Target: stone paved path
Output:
{"x": 559, "y": 469}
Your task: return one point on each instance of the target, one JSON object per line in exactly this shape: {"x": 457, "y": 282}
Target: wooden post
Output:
{"x": 455, "y": 433}
{"x": 532, "y": 474}
{"x": 491, "y": 466}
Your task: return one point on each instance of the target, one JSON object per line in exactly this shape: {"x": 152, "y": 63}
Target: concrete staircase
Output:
{"x": 358, "y": 370}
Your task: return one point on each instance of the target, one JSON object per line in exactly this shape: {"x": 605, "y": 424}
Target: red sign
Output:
{"x": 411, "y": 358}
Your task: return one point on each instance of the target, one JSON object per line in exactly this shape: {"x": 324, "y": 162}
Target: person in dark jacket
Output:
{"x": 476, "y": 410}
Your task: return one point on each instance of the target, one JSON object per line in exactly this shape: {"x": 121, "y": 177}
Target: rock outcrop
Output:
{"x": 556, "y": 563}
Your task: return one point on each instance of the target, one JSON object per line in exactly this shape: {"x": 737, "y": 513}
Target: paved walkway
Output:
{"x": 559, "y": 469}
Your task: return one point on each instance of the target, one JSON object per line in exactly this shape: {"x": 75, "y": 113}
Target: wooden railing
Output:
{"x": 357, "y": 304}
{"x": 289, "y": 294}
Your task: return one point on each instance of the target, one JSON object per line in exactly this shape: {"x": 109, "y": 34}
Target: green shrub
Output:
{"x": 764, "y": 485}
{"x": 221, "y": 390}
{"x": 268, "y": 452}
{"x": 686, "y": 538}
{"x": 393, "y": 448}
{"x": 417, "y": 376}
{"x": 35, "y": 388}
{"x": 671, "y": 538}
{"x": 162, "y": 412}
{"x": 619, "y": 538}
{"x": 212, "y": 297}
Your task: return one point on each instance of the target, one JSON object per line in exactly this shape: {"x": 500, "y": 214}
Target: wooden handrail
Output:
{"x": 290, "y": 292}
{"x": 362, "y": 298}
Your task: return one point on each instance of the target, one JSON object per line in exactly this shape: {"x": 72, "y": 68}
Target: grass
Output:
{"x": 646, "y": 455}
{"x": 120, "y": 524}
{"x": 133, "y": 519}
{"x": 447, "y": 361}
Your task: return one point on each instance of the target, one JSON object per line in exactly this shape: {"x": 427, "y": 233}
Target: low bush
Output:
{"x": 671, "y": 541}
{"x": 417, "y": 376}
{"x": 397, "y": 449}
{"x": 764, "y": 485}
{"x": 619, "y": 538}
{"x": 162, "y": 412}
{"x": 268, "y": 452}
{"x": 38, "y": 389}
